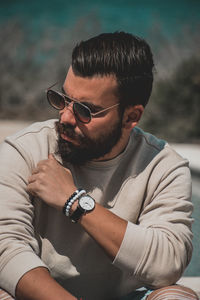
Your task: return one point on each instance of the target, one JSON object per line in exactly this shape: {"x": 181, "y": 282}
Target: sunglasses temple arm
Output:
{"x": 51, "y": 86}
{"x": 99, "y": 112}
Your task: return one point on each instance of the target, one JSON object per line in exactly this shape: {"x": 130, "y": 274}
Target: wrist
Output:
{"x": 83, "y": 206}
{"x": 64, "y": 196}
{"x": 78, "y": 204}
{"x": 71, "y": 200}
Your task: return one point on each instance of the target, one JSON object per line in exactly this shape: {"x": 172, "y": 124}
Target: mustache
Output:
{"x": 68, "y": 130}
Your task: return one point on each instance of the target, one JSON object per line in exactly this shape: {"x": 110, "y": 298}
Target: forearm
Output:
{"x": 102, "y": 225}
{"x": 37, "y": 284}
{"x": 106, "y": 228}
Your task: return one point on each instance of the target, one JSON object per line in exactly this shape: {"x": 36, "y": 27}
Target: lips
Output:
{"x": 67, "y": 133}
{"x": 67, "y": 138}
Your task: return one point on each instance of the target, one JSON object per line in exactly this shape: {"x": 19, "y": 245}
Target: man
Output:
{"x": 91, "y": 206}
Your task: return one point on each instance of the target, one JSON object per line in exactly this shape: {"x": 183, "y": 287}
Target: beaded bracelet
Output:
{"x": 71, "y": 200}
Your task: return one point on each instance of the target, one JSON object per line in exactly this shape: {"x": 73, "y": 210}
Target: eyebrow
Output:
{"x": 89, "y": 104}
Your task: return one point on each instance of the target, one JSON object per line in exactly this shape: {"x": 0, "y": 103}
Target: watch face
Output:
{"x": 87, "y": 203}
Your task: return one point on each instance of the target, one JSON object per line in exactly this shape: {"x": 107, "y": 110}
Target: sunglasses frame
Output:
{"x": 67, "y": 103}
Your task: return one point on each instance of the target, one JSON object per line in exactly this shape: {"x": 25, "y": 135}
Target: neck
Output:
{"x": 117, "y": 149}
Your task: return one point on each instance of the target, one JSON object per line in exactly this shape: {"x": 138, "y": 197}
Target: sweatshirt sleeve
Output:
{"x": 158, "y": 248}
{"x": 19, "y": 249}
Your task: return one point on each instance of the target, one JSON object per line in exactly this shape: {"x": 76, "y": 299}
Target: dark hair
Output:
{"x": 123, "y": 55}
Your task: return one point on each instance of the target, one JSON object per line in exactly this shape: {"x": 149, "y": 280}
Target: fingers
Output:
{"x": 43, "y": 164}
{"x": 51, "y": 159}
{"x": 35, "y": 171}
{"x": 32, "y": 178}
{"x": 30, "y": 190}
{"x": 40, "y": 166}
{"x": 51, "y": 156}
{"x": 32, "y": 182}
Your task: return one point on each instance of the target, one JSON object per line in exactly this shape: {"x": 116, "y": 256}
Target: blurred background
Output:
{"x": 37, "y": 38}
{"x": 36, "y": 42}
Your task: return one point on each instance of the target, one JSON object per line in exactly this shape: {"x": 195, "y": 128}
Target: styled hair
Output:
{"x": 123, "y": 55}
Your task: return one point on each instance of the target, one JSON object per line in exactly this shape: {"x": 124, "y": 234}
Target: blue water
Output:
{"x": 135, "y": 16}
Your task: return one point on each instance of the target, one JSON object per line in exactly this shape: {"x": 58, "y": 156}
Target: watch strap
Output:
{"x": 77, "y": 214}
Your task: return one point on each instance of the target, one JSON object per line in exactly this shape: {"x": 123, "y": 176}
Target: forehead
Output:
{"x": 99, "y": 89}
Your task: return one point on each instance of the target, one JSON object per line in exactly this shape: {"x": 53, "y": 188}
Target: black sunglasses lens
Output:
{"x": 55, "y": 100}
{"x": 82, "y": 112}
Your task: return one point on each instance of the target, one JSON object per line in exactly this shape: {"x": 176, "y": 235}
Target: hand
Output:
{"x": 51, "y": 182}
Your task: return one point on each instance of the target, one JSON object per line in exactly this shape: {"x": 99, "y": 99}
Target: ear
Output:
{"x": 132, "y": 116}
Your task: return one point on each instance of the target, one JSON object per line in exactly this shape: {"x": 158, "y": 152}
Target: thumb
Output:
{"x": 51, "y": 156}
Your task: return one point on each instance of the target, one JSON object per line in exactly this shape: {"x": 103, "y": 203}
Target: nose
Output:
{"x": 67, "y": 115}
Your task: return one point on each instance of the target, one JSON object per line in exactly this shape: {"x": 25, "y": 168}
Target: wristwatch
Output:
{"x": 85, "y": 205}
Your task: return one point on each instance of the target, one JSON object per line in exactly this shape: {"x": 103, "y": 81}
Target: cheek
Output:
{"x": 89, "y": 130}
{"x": 97, "y": 126}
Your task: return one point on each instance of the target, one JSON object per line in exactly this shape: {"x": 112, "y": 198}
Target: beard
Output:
{"x": 86, "y": 149}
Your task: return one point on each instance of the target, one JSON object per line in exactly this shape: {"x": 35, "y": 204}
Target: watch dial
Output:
{"x": 87, "y": 203}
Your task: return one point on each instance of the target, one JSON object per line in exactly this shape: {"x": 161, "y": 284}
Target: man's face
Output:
{"x": 78, "y": 142}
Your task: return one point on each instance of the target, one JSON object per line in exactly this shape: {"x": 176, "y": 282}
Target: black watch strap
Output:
{"x": 77, "y": 214}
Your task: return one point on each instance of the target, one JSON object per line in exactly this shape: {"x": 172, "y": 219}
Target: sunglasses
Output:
{"x": 81, "y": 111}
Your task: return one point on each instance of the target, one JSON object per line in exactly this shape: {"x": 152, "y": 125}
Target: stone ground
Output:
{"x": 191, "y": 152}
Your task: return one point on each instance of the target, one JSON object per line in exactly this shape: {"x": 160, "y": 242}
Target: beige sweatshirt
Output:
{"x": 148, "y": 184}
